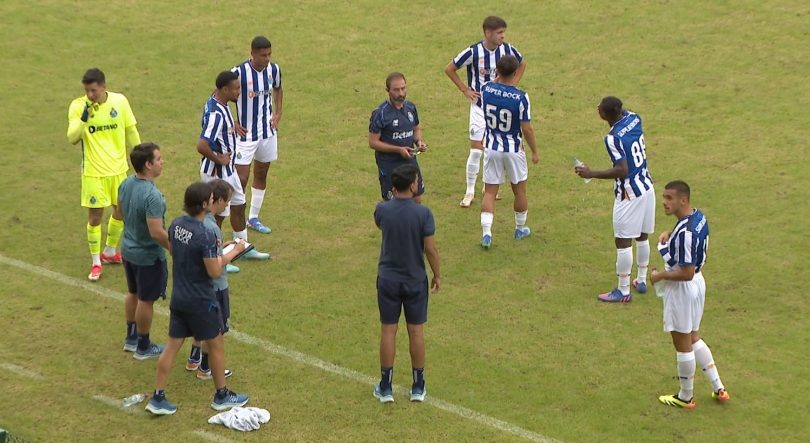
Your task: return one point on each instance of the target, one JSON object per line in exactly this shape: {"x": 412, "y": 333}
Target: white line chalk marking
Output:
{"x": 212, "y": 437}
{"x": 134, "y": 409}
{"x": 297, "y": 356}
{"x": 21, "y": 371}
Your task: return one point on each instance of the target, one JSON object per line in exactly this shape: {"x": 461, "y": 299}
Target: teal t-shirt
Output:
{"x": 211, "y": 223}
{"x": 140, "y": 199}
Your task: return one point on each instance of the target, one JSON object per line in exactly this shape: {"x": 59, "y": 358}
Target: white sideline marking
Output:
{"x": 297, "y": 356}
{"x": 212, "y": 437}
{"x": 134, "y": 409}
{"x": 21, "y": 371}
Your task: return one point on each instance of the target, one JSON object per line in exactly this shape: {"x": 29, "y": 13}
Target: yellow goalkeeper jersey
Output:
{"x": 104, "y": 148}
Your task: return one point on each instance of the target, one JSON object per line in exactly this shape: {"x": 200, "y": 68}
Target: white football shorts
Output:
{"x": 477, "y": 123}
{"x": 631, "y": 218}
{"x": 238, "y": 197}
{"x": 683, "y": 304}
{"x": 264, "y": 150}
{"x": 498, "y": 164}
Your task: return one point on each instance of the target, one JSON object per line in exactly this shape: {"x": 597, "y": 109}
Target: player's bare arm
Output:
{"x": 683, "y": 273}
{"x": 214, "y": 267}
{"x": 528, "y": 137}
{"x": 520, "y": 70}
{"x": 432, "y": 255}
{"x": 376, "y": 144}
{"x": 664, "y": 237}
{"x": 278, "y": 95}
{"x": 417, "y": 139}
{"x": 468, "y": 92}
{"x": 619, "y": 170}
{"x": 204, "y": 148}
{"x": 158, "y": 233}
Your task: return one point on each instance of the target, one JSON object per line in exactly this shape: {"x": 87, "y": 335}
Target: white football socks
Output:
{"x": 624, "y": 264}
{"x": 642, "y": 259}
{"x": 109, "y": 251}
{"x": 473, "y": 166}
{"x": 686, "y": 374}
{"x": 240, "y": 234}
{"x": 486, "y": 222}
{"x": 256, "y": 200}
{"x": 703, "y": 357}
{"x": 520, "y": 219}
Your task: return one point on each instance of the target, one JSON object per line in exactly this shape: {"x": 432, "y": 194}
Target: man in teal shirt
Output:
{"x": 142, "y": 248}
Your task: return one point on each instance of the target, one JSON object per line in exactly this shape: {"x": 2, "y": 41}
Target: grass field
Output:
{"x": 516, "y": 335}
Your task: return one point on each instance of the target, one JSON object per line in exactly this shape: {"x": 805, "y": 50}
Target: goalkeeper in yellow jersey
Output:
{"x": 102, "y": 123}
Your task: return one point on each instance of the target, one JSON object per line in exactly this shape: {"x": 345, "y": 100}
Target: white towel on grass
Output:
{"x": 241, "y": 419}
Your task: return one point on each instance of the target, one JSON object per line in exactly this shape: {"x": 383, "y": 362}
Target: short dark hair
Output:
{"x": 680, "y": 187}
{"x": 142, "y": 154}
{"x": 94, "y": 75}
{"x": 225, "y": 78}
{"x": 221, "y": 189}
{"x": 492, "y": 23}
{"x": 260, "y": 43}
{"x": 611, "y": 106}
{"x": 197, "y": 195}
{"x": 393, "y": 76}
{"x": 507, "y": 65}
{"x": 404, "y": 176}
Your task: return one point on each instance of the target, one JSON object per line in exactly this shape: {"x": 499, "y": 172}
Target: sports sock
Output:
{"x": 222, "y": 393}
{"x": 686, "y": 374}
{"x": 520, "y": 219}
{"x": 204, "y": 362}
{"x": 386, "y": 377}
{"x": 132, "y": 330}
{"x": 114, "y": 230}
{"x": 419, "y": 377}
{"x": 486, "y": 222}
{"x": 642, "y": 259}
{"x": 624, "y": 264}
{"x": 704, "y": 358}
{"x": 159, "y": 395}
{"x": 256, "y": 200}
{"x": 195, "y": 353}
{"x": 94, "y": 240}
{"x": 143, "y": 342}
{"x": 240, "y": 234}
{"x": 473, "y": 166}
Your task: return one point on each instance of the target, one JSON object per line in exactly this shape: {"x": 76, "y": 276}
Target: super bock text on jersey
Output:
{"x": 218, "y": 129}
{"x": 254, "y": 107}
{"x": 395, "y": 126}
{"x": 625, "y": 141}
{"x": 505, "y": 107}
{"x": 481, "y": 62}
{"x": 688, "y": 242}
{"x": 191, "y": 243}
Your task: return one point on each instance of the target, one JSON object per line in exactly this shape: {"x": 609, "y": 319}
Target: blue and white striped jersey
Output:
{"x": 505, "y": 107}
{"x": 481, "y": 62}
{"x": 218, "y": 129}
{"x": 254, "y": 107}
{"x": 625, "y": 141}
{"x": 688, "y": 242}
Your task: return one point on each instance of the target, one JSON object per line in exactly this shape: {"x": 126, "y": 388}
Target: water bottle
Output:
{"x": 135, "y": 399}
{"x": 659, "y": 285}
{"x": 579, "y": 163}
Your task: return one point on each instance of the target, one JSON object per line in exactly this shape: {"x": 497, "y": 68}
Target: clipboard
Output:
{"x": 248, "y": 247}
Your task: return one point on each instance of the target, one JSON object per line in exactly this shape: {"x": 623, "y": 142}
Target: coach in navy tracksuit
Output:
{"x": 395, "y": 136}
